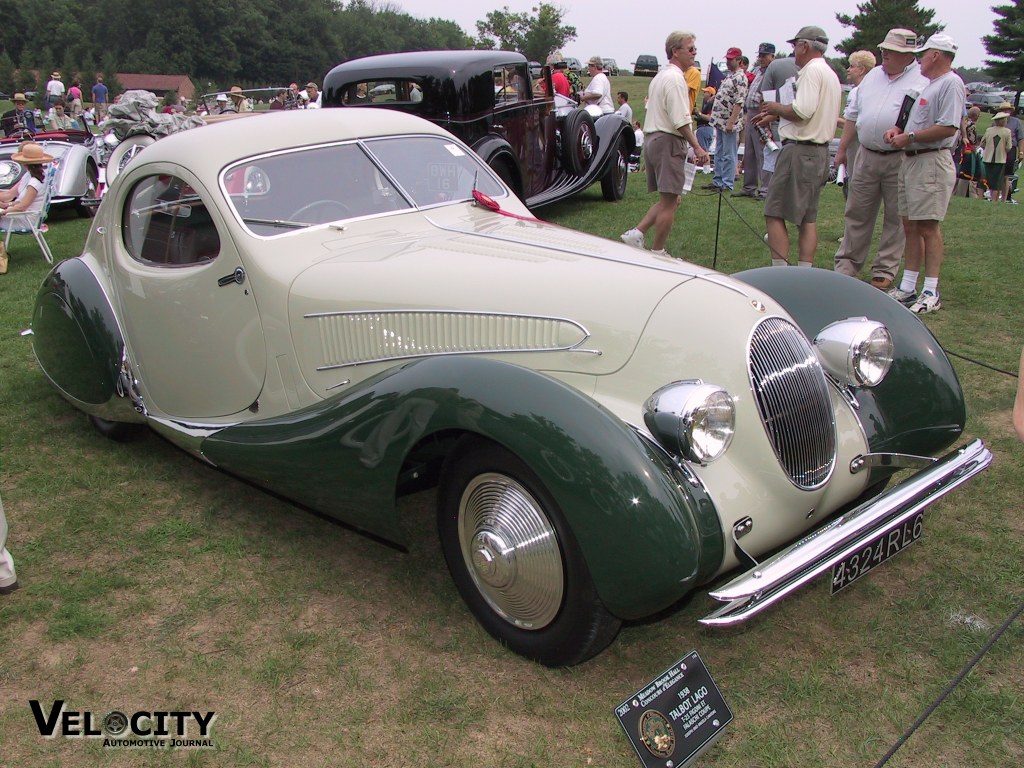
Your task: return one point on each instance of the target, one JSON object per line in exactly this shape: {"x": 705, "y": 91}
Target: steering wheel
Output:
{"x": 327, "y": 206}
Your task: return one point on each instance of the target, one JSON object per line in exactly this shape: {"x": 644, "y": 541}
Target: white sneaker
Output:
{"x": 906, "y": 298}
{"x": 926, "y": 302}
{"x": 661, "y": 252}
{"x": 633, "y": 237}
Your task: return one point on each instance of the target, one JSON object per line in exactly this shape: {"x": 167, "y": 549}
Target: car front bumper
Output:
{"x": 775, "y": 578}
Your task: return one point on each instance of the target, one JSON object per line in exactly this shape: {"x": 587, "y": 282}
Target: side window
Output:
{"x": 166, "y": 223}
{"x": 511, "y": 84}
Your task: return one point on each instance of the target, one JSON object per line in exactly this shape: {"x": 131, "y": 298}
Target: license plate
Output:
{"x": 876, "y": 552}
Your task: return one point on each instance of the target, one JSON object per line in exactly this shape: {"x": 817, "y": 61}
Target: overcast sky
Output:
{"x": 621, "y": 29}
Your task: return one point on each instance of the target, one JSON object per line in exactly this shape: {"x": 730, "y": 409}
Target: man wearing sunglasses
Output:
{"x": 667, "y": 131}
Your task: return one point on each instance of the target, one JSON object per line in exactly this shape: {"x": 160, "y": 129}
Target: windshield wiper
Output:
{"x": 283, "y": 224}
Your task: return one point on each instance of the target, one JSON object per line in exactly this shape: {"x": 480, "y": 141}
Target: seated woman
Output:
{"x": 59, "y": 120}
{"x": 28, "y": 194}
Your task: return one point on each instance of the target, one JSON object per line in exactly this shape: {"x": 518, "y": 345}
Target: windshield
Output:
{"x": 275, "y": 194}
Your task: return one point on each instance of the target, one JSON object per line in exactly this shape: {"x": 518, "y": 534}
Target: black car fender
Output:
{"x": 919, "y": 407}
{"x": 78, "y": 342}
{"x": 501, "y": 157}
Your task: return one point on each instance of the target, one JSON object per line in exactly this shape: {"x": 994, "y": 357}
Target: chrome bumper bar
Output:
{"x": 784, "y": 573}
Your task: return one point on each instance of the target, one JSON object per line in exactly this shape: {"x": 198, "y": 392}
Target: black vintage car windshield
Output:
{"x": 279, "y": 193}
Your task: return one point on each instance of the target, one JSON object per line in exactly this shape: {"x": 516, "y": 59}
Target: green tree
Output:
{"x": 534, "y": 36}
{"x": 6, "y": 72}
{"x": 876, "y": 17}
{"x": 1006, "y": 45}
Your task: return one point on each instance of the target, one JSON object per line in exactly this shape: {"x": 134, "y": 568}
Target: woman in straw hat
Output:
{"x": 28, "y": 195}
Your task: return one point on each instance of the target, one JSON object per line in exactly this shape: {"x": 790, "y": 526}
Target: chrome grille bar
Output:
{"x": 792, "y": 398}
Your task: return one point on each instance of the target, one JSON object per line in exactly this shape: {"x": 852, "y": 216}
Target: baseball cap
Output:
{"x": 810, "y": 33}
{"x": 733, "y": 53}
{"x": 1000, "y": 115}
{"x": 1005, "y": 106}
{"x": 900, "y": 40}
{"x": 939, "y": 42}
{"x": 709, "y": 90}
{"x": 312, "y": 85}
{"x": 765, "y": 48}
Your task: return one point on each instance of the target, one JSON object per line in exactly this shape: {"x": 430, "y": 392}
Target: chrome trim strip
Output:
{"x": 432, "y": 332}
{"x": 781, "y": 575}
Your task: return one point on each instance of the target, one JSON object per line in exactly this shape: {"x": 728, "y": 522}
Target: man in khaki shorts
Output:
{"x": 802, "y": 168}
{"x": 927, "y": 172}
{"x": 667, "y": 131}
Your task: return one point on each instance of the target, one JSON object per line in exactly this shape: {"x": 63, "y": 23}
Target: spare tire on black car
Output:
{"x": 579, "y": 141}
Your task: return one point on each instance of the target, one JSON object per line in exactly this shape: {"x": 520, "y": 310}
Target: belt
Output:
{"x": 805, "y": 143}
{"x": 914, "y": 152}
{"x": 880, "y": 151}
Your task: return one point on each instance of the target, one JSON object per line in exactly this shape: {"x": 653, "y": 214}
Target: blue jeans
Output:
{"x": 704, "y": 136}
{"x": 726, "y": 148}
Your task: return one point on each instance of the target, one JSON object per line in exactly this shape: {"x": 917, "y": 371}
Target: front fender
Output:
{"x": 648, "y": 533}
{"x": 919, "y": 408}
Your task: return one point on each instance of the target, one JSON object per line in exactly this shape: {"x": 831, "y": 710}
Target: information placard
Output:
{"x": 676, "y": 716}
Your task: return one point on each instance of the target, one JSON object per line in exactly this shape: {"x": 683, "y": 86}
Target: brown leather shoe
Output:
{"x": 882, "y": 283}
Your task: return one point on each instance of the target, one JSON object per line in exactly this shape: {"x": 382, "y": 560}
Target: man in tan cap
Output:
{"x": 19, "y": 119}
{"x": 876, "y": 178}
{"x": 1016, "y": 154}
{"x": 54, "y": 91}
{"x": 927, "y": 172}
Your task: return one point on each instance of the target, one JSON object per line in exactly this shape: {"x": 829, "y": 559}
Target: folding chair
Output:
{"x": 32, "y": 222}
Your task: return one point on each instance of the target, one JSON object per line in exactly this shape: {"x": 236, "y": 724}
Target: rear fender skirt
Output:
{"x": 919, "y": 408}
{"x": 649, "y": 535}
{"x": 78, "y": 342}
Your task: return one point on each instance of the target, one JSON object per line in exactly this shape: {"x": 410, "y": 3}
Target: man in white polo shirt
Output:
{"x": 927, "y": 172}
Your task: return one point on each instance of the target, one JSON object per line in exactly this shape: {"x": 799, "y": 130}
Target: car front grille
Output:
{"x": 792, "y": 397}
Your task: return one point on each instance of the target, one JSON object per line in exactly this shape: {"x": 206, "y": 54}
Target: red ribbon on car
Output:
{"x": 486, "y": 201}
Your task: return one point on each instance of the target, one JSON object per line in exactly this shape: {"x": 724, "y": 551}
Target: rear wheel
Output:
{"x": 579, "y": 141}
{"x": 515, "y": 561}
{"x": 118, "y": 431}
{"x": 613, "y": 183}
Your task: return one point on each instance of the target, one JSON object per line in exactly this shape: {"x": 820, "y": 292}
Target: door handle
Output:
{"x": 238, "y": 276}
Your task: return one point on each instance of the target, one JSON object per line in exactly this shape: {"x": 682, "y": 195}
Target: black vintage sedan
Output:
{"x": 541, "y": 144}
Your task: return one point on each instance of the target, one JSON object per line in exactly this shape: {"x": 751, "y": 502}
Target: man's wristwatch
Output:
{"x": 913, "y": 137}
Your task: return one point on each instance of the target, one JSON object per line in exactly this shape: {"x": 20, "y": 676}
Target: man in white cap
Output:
{"x": 876, "y": 178}
{"x": 927, "y": 173}
{"x": 802, "y": 168}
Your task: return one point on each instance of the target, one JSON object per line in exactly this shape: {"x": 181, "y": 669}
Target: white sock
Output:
{"x": 777, "y": 262}
{"x": 932, "y": 284}
{"x": 805, "y": 263}
{"x": 909, "y": 281}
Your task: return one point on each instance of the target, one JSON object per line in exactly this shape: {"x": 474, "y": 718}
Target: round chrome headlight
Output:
{"x": 692, "y": 419}
{"x": 856, "y": 351}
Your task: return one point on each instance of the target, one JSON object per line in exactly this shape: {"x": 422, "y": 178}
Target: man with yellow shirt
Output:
{"x": 808, "y": 125}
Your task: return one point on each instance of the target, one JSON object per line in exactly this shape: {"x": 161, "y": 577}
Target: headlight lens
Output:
{"x": 692, "y": 419}
{"x": 856, "y": 351}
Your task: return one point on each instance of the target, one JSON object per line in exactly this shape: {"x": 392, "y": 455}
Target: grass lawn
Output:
{"x": 152, "y": 582}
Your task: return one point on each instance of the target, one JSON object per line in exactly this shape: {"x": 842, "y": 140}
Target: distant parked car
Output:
{"x": 610, "y": 66}
{"x": 573, "y": 63}
{"x": 989, "y": 101}
{"x": 645, "y": 66}
{"x": 543, "y": 149}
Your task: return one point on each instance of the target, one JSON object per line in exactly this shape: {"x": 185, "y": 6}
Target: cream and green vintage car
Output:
{"x": 346, "y": 305}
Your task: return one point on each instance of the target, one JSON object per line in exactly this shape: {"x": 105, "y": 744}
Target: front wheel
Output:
{"x": 613, "y": 183}
{"x": 125, "y": 152}
{"x": 515, "y": 561}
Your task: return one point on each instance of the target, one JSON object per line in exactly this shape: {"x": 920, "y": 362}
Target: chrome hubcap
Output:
{"x": 511, "y": 551}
